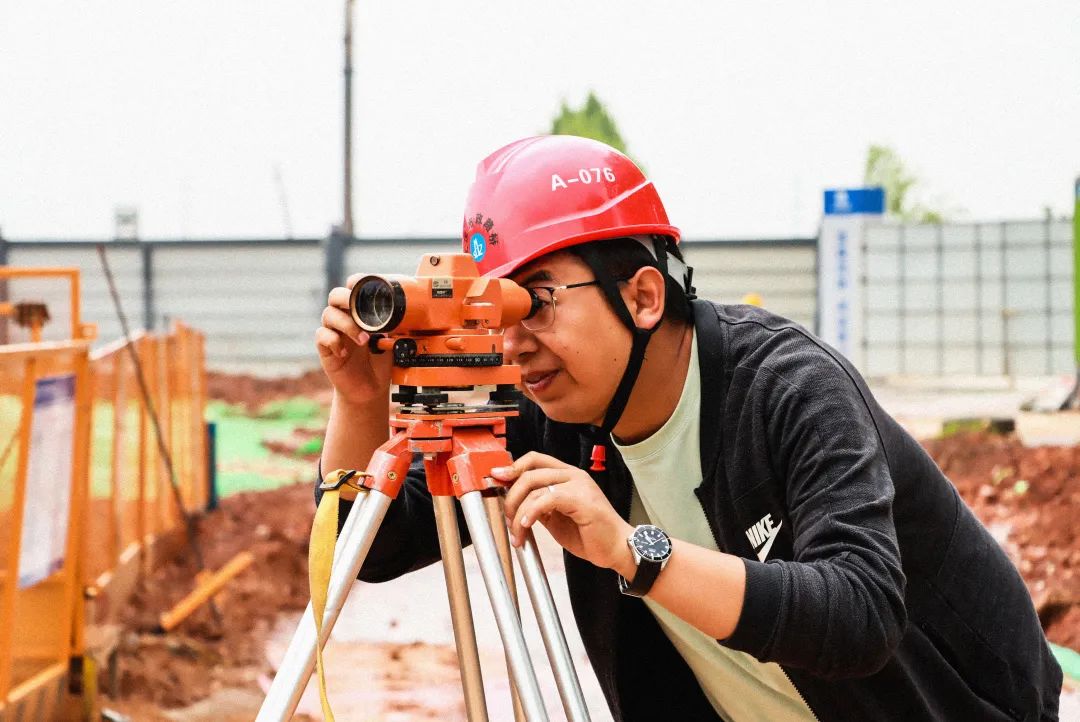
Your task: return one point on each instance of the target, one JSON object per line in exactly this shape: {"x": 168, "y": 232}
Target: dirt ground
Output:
{"x": 202, "y": 656}
{"x": 252, "y": 391}
{"x": 1026, "y": 496}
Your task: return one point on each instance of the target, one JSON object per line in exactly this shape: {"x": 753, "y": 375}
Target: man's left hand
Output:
{"x": 569, "y": 504}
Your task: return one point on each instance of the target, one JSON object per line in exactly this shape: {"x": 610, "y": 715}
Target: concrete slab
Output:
{"x": 1049, "y": 429}
{"x": 924, "y": 406}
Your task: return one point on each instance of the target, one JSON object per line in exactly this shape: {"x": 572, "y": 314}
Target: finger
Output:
{"x": 505, "y": 473}
{"x": 536, "y": 460}
{"x": 528, "y": 482}
{"x": 539, "y": 504}
{"x": 339, "y": 297}
{"x": 337, "y": 320}
{"x": 531, "y": 460}
{"x": 351, "y": 280}
{"x": 329, "y": 342}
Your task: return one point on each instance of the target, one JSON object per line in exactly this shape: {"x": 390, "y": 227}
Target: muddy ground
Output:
{"x": 1027, "y": 498}
{"x": 204, "y": 655}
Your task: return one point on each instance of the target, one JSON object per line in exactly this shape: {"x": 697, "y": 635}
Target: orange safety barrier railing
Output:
{"x": 133, "y": 517}
{"x": 85, "y": 498}
{"x": 79, "y": 330}
{"x": 44, "y": 441}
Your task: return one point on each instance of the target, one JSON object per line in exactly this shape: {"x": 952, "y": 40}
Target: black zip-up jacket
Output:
{"x": 882, "y": 596}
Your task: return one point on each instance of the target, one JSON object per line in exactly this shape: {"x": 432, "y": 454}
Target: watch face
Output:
{"x": 652, "y": 543}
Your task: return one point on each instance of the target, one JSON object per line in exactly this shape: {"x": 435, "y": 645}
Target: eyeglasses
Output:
{"x": 544, "y": 317}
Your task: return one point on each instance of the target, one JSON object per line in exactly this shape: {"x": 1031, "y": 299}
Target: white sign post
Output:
{"x": 48, "y": 481}
{"x": 840, "y": 267}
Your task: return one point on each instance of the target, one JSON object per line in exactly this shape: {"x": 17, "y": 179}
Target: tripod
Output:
{"x": 459, "y": 445}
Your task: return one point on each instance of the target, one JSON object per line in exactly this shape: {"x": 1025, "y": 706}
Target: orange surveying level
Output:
{"x": 444, "y": 329}
{"x": 443, "y": 326}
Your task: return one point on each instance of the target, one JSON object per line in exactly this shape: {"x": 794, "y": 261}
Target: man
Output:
{"x": 759, "y": 539}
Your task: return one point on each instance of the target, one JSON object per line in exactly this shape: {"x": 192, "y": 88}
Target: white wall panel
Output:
{"x": 1023, "y": 267}
{"x": 927, "y": 289}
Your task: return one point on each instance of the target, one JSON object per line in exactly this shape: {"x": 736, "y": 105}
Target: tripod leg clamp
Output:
{"x": 345, "y": 482}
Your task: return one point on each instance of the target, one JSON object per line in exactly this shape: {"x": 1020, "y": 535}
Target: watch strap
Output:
{"x": 647, "y": 572}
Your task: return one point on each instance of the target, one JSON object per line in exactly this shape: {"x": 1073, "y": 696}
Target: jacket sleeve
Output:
{"x": 837, "y": 609}
{"x": 407, "y": 538}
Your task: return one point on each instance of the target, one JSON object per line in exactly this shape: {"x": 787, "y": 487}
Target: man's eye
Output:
{"x": 542, "y": 295}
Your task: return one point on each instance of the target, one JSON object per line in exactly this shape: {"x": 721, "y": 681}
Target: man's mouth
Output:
{"x": 536, "y": 382}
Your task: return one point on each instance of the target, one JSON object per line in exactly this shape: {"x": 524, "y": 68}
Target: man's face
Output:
{"x": 572, "y": 367}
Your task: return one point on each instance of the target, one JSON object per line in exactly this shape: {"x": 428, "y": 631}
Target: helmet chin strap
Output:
{"x": 640, "y": 340}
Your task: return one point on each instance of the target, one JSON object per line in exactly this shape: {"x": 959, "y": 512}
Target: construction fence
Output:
{"x": 259, "y": 301}
{"x": 982, "y": 299}
{"x": 86, "y": 503}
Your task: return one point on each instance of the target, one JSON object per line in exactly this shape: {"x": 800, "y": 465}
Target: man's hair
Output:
{"x": 623, "y": 257}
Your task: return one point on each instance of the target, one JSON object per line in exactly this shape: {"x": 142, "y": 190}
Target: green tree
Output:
{"x": 591, "y": 120}
{"x": 885, "y": 168}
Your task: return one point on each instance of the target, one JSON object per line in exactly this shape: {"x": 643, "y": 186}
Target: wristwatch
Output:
{"x": 652, "y": 548}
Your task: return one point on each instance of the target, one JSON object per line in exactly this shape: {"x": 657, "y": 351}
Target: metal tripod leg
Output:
{"x": 352, "y": 548}
{"x": 547, "y": 616}
{"x": 457, "y": 591}
{"x": 502, "y": 604}
{"x": 496, "y": 519}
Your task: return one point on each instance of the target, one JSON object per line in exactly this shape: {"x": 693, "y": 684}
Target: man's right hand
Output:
{"x": 358, "y": 376}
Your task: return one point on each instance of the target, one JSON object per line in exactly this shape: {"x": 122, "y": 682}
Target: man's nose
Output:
{"x": 517, "y": 341}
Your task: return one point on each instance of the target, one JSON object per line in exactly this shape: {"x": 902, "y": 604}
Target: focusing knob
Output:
{"x": 405, "y": 351}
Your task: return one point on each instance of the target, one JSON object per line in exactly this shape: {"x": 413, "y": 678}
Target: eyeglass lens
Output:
{"x": 546, "y": 315}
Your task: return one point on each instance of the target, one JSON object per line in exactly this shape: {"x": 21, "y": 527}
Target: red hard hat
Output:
{"x": 540, "y": 194}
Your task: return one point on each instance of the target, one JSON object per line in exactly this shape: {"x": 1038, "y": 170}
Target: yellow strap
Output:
{"x": 324, "y": 531}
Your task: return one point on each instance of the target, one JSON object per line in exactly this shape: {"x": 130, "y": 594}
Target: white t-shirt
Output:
{"x": 666, "y": 468}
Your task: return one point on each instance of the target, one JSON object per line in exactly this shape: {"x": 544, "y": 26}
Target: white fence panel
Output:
{"x": 969, "y": 298}
{"x": 258, "y": 303}
{"x": 972, "y": 298}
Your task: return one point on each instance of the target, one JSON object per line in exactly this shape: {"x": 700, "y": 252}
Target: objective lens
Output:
{"x": 378, "y": 304}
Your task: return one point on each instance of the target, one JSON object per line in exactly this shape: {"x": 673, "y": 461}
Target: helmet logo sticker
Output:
{"x": 478, "y": 246}
{"x": 477, "y": 235}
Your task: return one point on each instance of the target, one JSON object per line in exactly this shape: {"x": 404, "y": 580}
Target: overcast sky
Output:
{"x": 742, "y": 112}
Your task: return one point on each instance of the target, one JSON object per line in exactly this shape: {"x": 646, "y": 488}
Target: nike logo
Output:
{"x": 762, "y": 535}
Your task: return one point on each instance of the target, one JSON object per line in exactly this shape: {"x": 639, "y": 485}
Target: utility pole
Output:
{"x": 283, "y": 201}
{"x": 1074, "y": 399}
{"x": 347, "y": 222}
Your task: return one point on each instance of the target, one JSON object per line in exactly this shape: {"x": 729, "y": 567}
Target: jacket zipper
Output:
{"x": 799, "y": 692}
{"x": 716, "y": 541}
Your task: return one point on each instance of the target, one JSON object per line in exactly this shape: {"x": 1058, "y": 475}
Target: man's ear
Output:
{"x": 644, "y": 295}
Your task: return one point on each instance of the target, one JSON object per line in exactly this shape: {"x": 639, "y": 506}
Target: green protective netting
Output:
{"x": 129, "y": 448}
{"x": 1069, "y": 659}
{"x": 244, "y": 463}
{"x": 101, "y": 449}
